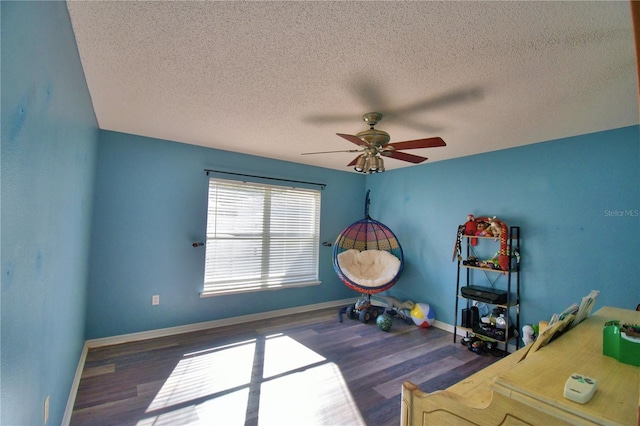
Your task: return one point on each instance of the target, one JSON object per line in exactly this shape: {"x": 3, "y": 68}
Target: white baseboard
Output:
{"x": 163, "y": 332}
{"x": 66, "y": 419}
{"x": 444, "y": 326}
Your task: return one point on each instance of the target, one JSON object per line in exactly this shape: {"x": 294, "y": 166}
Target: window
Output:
{"x": 260, "y": 237}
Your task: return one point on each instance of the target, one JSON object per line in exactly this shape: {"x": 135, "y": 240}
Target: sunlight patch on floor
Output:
{"x": 287, "y": 382}
{"x": 283, "y": 354}
{"x": 207, "y": 373}
{"x": 316, "y": 396}
{"x": 229, "y": 409}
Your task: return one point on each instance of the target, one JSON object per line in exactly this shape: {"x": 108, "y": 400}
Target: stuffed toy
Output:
{"x": 494, "y": 226}
{"x": 484, "y": 226}
{"x": 503, "y": 255}
{"x": 483, "y": 229}
{"x": 528, "y": 334}
{"x": 470, "y": 228}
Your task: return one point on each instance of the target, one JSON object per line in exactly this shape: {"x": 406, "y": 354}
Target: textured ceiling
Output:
{"x": 278, "y": 79}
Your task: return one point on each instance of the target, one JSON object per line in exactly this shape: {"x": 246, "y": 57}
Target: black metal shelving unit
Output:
{"x": 512, "y": 275}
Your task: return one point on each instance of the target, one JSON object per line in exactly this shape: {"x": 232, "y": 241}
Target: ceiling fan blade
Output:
{"x": 415, "y": 159}
{"x": 419, "y": 143}
{"x": 353, "y": 163}
{"x": 330, "y": 152}
{"x": 331, "y": 118}
{"x": 460, "y": 95}
{"x": 412, "y": 124}
{"x": 368, "y": 92}
{"x": 352, "y": 138}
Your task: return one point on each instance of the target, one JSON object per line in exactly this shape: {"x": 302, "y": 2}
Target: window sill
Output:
{"x": 227, "y": 292}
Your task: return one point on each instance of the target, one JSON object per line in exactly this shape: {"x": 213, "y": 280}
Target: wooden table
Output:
{"x": 538, "y": 381}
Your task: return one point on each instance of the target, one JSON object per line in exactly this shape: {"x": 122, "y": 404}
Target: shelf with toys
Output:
{"x": 501, "y": 303}
{"x": 483, "y": 268}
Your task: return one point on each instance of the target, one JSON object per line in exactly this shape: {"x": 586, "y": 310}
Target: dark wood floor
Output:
{"x": 303, "y": 369}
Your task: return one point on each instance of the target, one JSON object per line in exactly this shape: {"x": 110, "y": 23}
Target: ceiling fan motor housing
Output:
{"x": 374, "y": 137}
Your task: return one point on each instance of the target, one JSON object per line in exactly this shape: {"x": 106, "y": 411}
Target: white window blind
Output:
{"x": 260, "y": 237}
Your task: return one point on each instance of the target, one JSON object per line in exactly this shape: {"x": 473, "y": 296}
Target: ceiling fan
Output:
{"x": 374, "y": 143}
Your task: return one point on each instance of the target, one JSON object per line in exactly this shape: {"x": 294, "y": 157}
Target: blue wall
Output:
{"x": 49, "y": 139}
{"x": 68, "y": 275}
{"x": 150, "y": 206}
{"x": 575, "y": 199}
{"x": 564, "y": 194}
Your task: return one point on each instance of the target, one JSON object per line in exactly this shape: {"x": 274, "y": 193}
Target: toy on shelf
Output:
{"x": 495, "y": 227}
{"x": 478, "y": 345}
{"x": 485, "y": 227}
{"x": 470, "y": 228}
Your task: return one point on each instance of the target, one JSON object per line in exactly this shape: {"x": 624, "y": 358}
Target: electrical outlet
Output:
{"x": 46, "y": 410}
{"x": 155, "y": 299}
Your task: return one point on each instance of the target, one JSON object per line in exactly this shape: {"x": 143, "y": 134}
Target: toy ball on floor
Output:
{"x": 384, "y": 322}
{"x": 422, "y": 315}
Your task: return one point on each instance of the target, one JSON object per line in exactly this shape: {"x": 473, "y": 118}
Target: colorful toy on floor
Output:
{"x": 384, "y": 322}
{"x": 423, "y": 315}
{"x": 395, "y": 307}
{"x": 362, "y": 310}
{"x": 370, "y": 307}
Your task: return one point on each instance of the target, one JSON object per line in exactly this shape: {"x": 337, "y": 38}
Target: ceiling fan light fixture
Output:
{"x": 380, "y": 165}
{"x": 374, "y": 164}
{"x": 360, "y": 164}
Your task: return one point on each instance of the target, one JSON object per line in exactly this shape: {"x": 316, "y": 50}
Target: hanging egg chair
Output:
{"x": 367, "y": 255}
